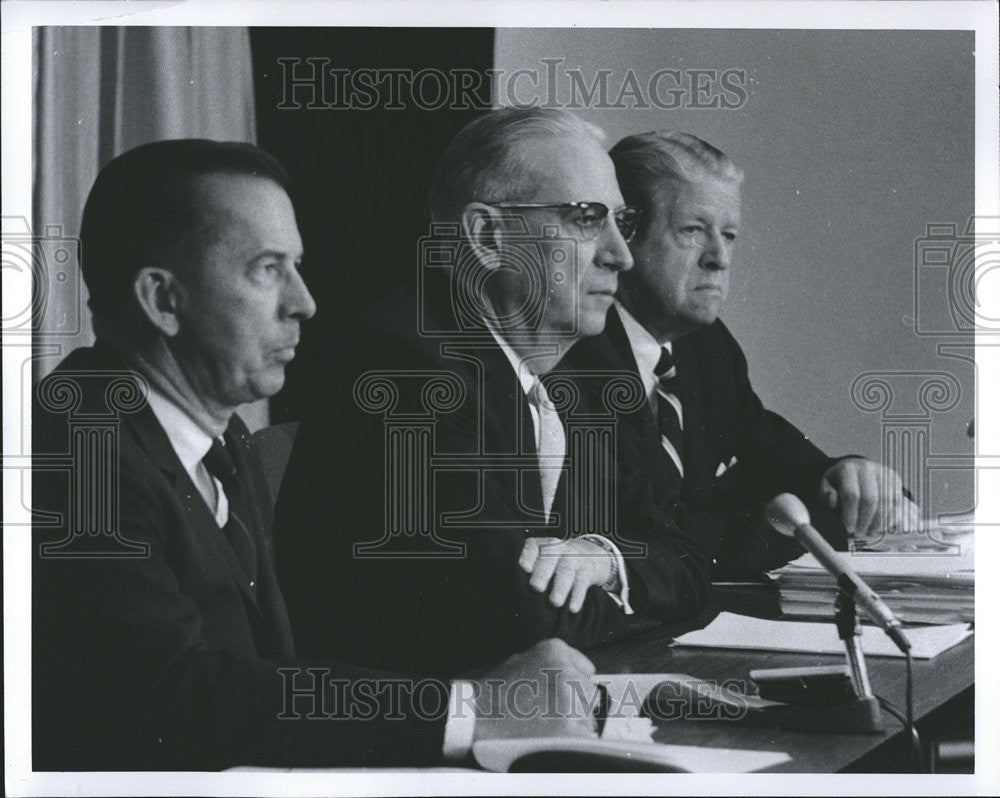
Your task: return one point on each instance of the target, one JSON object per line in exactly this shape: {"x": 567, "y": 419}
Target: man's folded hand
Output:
{"x": 570, "y": 566}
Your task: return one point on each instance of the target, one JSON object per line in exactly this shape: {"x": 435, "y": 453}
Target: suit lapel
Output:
{"x": 506, "y": 434}
{"x": 153, "y": 439}
{"x": 269, "y": 599}
{"x": 697, "y": 457}
{"x": 645, "y": 420}
{"x": 509, "y": 408}
{"x": 144, "y": 428}
{"x": 622, "y": 348}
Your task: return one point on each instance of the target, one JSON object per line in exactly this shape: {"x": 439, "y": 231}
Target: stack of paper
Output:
{"x": 918, "y": 587}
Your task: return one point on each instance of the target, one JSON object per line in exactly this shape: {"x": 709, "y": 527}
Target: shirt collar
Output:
{"x": 525, "y": 375}
{"x": 645, "y": 348}
{"x": 188, "y": 440}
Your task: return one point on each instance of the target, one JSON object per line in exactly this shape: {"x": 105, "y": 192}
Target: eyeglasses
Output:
{"x": 589, "y": 217}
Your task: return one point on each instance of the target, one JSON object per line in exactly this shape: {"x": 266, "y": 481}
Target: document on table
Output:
{"x": 918, "y": 568}
{"x": 499, "y": 755}
{"x": 918, "y": 587}
{"x": 629, "y": 737}
{"x": 730, "y": 630}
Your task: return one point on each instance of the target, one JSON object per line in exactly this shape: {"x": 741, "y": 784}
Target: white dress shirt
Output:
{"x": 527, "y": 379}
{"x": 191, "y": 443}
{"x": 646, "y": 351}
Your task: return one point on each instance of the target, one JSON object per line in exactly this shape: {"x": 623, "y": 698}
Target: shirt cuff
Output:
{"x": 621, "y": 597}
{"x": 460, "y": 727}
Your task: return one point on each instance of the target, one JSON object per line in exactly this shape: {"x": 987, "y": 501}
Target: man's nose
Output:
{"x": 297, "y": 301}
{"x": 717, "y": 254}
{"x": 613, "y": 252}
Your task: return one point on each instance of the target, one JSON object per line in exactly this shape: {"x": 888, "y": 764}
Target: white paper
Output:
{"x": 497, "y": 755}
{"x": 729, "y": 630}
{"x": 896, "y": 564}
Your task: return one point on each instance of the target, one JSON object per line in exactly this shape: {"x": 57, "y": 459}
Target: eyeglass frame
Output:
{"x": 579, "y": 206}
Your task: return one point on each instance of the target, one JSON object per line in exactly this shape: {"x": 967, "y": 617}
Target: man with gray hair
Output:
{"x": 427, "y": 515}
{"x": 166, "y": 645}
{"x": 708, "y": 442}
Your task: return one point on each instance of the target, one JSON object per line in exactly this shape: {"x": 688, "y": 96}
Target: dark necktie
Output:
{"x": 668, "y": 404}
{"x": 221, "y": 465}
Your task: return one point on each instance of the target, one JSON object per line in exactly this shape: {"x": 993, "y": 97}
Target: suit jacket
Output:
{"x": 723, "y": 419}
{"x": 411, "y": 604}
{"x": 169, "y": 659}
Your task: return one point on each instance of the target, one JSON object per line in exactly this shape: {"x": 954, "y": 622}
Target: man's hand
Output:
{"x": 546, "y": 691}
{"x": 870, "y": 497}
{"x": 571, "y": 565}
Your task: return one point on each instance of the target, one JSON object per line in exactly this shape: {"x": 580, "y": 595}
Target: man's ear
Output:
{"x": 157, "y": 291}
{"x": 483, "y": 230}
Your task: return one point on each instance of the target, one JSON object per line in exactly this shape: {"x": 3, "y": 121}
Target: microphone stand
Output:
{"x": 853, "y": 713}
{"x": 850, "y": 632}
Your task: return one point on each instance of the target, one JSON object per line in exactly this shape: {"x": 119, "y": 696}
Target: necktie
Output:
{"x": 669, "y": 417}
{"x": 551, "y": 443}
{"x": 221, "y": 465}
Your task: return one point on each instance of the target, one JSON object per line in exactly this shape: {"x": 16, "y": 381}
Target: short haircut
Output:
{"x": 653, "y": 167}
{"x": 483, "y": 164}
{"x": 142, "y": 208}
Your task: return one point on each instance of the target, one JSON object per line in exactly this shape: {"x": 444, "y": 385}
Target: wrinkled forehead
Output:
{"x": 707, "y": 194}
{"x": 570, "y": 168}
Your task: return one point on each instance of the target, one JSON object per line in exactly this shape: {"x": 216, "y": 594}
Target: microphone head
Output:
{"x": 786, "y": 514}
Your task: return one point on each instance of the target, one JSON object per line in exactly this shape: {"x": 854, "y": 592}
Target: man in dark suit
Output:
{"x": 448, "y": 504}
{"x": 706, "y": 438}
{"x": 160, "y": 634}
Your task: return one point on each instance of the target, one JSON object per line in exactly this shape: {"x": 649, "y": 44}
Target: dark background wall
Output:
{"x": 359, "y": 177}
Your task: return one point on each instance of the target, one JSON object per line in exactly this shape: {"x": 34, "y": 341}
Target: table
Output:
{"x": 943, "y": 692}
{"x": 942, "y": 695}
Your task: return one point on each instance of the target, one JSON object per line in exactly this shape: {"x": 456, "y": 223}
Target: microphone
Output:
{"x": 790, "y": 517}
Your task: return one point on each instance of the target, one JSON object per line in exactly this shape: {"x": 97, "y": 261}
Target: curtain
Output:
{"x": 99, "y": 92}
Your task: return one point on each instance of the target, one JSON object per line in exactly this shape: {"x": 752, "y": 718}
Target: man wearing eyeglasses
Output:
{"x": 708, "y": 441}
{"x": 166, "y": 645}
{"x": 437, "y": 491}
